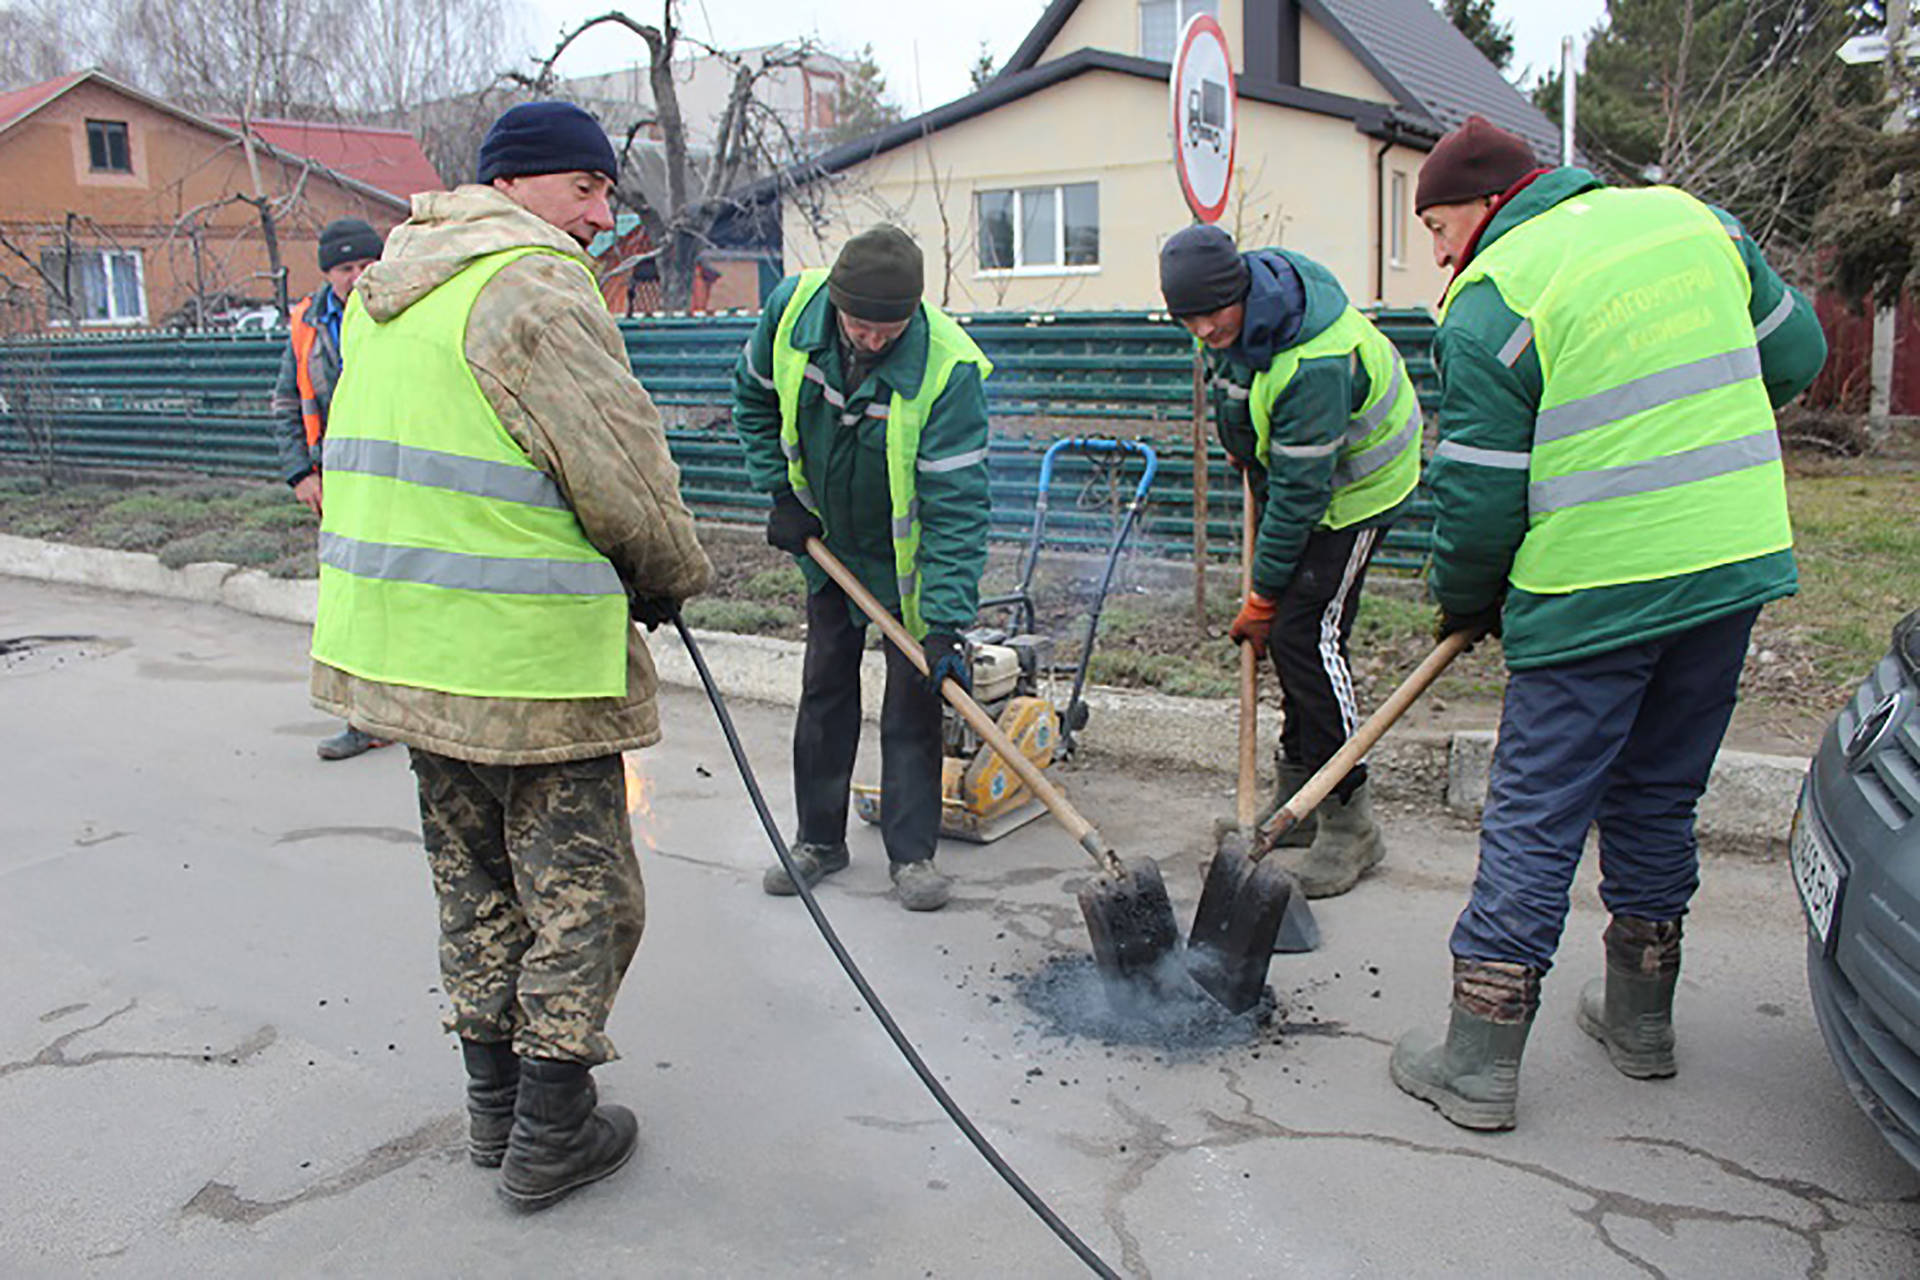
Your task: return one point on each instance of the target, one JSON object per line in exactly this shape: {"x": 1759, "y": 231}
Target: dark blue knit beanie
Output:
{"x": 546, "y": 137}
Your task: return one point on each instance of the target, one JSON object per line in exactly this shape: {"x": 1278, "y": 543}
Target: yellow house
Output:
{"x": 1052, "y": 187}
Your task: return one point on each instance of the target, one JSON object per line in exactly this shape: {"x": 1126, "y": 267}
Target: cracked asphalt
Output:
{"x": 220, "y": 1052}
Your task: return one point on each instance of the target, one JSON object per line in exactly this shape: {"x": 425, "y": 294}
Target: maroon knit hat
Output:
{"x": 1477, "y": 159}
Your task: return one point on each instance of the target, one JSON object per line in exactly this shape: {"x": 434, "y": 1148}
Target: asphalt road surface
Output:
{"x": 220, "y": 1050}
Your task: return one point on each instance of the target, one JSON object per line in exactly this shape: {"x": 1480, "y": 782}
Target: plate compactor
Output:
{"x": 982, "y": 798}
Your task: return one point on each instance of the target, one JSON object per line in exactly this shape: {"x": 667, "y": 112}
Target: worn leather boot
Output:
{"x": 1473, "y": 1076}
{"x": 1630, "y": 1011}
{"x": 1346, "y": 847}
{"x": 561, "y": 1140}
{"x": 920, "y": 886}
{"x": 814, "y": 862}
{"x": 1291, "y": 777}
{"x": 493, "y": 1081}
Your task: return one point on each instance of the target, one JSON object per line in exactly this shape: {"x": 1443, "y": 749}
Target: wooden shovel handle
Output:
{"x": 1246, "y": 802}
{"x": 970, "y": 711}
{"x": 1317, "y": 788}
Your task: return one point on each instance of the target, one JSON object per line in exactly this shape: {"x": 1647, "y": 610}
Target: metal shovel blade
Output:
{"x": 1130, "y": 920}
{"x": 1299, "y": 931}
{"x": 1230, "y": 962}
{"x": 1213, "y": 916}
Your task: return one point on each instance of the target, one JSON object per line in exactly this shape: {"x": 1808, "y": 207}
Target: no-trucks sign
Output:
{"x": 1206, "y": 117}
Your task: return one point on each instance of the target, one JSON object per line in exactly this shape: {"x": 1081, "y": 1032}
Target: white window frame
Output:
{"x": 1183, "y": 11}
{"x": 1397, "y": 219}
{"x": 139, "y": 283}
{"x": 1059, "y": 266}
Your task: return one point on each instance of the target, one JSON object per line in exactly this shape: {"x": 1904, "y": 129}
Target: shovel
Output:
{"x": 1242, "y": 902}
{"x": 1128, "y": 915}
{"x": 1235, "y": 859}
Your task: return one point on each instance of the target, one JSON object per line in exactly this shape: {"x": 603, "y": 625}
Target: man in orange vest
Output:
{"x": 308, "y": 372}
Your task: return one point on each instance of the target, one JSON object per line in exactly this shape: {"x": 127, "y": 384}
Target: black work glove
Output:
{"x": 946, "y": 657}
{"x": 790, "y": 524}
{"x": 651, "y": 611}
{"x": 1486, "y": 620}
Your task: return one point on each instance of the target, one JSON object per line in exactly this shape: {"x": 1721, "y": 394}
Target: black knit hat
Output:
{"x": 878, "y": 276}
{"x": 347, "y": 240}
{"x": 546, "y": 137}
{"x": 1477, "y": 159}
{"x": 1201, "y": 271}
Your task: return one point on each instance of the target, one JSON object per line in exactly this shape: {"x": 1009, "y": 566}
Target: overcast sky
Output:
{"x": 926, "y": 49}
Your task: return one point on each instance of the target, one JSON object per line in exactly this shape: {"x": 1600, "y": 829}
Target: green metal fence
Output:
{"x": 199, "y": 403}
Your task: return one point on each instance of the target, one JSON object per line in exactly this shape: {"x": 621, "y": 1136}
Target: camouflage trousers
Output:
{"x": 541, "y": 903}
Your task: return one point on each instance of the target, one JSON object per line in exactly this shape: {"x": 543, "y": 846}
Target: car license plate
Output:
{"x": 1815, "y": 873}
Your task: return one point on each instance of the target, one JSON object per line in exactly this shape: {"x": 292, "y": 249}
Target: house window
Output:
{"x": 107, "y": 148}
{"x": 95, "y": 286}
{"x": 1397, "y": 220}
{"x": 1040, "y": 228}
{"x": 1161, "y": 22}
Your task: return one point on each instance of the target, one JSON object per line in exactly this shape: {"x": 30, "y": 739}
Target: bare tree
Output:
{"x": 695, "y": 190}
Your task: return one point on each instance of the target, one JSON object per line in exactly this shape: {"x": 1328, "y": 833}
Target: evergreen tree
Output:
{"x": 865, "y": 106}
{"x": 1476, "y": 22}
{"x": 982, "y": 69}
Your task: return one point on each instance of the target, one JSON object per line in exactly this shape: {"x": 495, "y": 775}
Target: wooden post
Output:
{"x": 1199, "y": 491}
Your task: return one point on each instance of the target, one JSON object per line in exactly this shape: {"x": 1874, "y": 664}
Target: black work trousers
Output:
{"x": 1311, "y": 626}
{"x": 826, "y": 737}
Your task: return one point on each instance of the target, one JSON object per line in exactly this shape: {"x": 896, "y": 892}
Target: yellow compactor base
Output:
{"x": 981, "y": 799}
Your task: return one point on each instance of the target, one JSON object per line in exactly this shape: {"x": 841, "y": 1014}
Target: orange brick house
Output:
{"x": 119, "y": 210}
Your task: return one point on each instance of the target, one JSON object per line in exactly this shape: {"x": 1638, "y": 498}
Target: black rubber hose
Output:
{"x": 1041, "y": 1209}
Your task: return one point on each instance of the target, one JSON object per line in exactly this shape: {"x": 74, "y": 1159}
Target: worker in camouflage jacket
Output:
{"x": 309, "y": 371}
{"x": 1313, "y": 404}
{"x": 499, "y": 502}
{"x": 1608, "y": 494}
{"x": 864, "y": 417}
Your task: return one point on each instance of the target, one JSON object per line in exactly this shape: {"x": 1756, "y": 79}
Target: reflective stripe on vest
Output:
{"x": 304, "y": 336}
{"x": 906, "y": 418}
{"x": 448, "y": 560}
{"x": 1379, "y": 452}
{"x": 1654, "y": 453}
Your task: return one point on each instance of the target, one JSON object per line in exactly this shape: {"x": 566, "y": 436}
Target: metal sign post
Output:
{"x": 1206, "y": 131}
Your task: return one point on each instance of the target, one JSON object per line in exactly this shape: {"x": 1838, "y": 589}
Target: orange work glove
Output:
{"x": 1253, "y": 623}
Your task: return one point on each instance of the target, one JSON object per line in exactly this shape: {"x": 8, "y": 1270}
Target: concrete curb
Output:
{"x": 1748, "y": 805}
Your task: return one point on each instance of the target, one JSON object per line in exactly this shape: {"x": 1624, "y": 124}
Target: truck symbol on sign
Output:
{"x": 1207, "y": 115}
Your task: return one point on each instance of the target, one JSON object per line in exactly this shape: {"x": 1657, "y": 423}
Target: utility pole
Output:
{"x": 1567, "y": 97}
{"x": 1886, "y": 320}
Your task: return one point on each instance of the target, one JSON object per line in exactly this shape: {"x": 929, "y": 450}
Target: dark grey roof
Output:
{"x": 1425, "y": 62}
{"x": 1369, "y": 117}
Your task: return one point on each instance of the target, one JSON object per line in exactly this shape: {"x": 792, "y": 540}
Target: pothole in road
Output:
{"x": 1170, "y": 1015}
{"x": 27, "y": 655}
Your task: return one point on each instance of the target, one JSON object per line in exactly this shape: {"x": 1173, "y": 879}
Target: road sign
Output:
{"x": 1206, "y": 117}
{"x": 1873, "y": 48}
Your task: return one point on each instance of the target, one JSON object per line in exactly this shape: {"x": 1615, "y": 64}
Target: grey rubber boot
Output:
{"x": 814, "y": 862}
{"x": 1291, "y": 777}
{"x": 346, "y": 744}
{"x": 920, "y": 885}
{"x": 1347, "y": 846}
{"x": 561, "y": 1140}
{"x": 493, "y": 1082}
{"x": 1473, "y": 1075}
{"x": 1630, "y": 1011}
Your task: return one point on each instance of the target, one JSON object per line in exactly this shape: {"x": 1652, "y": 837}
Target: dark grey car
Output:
{"x": 1856, "y": 861}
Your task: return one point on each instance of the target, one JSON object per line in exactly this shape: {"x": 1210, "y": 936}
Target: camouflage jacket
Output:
{"x": 552, "y": 364}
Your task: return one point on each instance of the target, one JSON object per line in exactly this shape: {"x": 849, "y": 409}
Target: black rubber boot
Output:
{"x": 561, "y": 1141}
{"x": 1473, "y": 1076}
{"x": 1630, "y": 1011}
{"x": 493, "y": 1080}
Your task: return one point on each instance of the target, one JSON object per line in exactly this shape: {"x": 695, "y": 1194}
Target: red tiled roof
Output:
{"x": 15, "y": 103}
{"x": 390, "y": 159}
